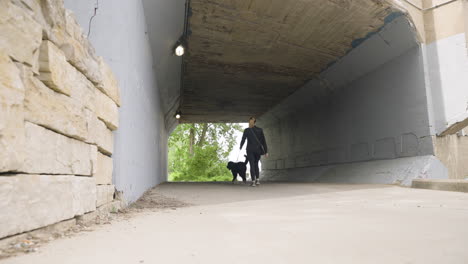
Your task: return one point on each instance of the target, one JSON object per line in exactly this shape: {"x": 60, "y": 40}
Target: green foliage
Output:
{"x": 199, "y": 152}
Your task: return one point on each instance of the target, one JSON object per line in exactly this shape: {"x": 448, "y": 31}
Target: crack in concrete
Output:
{"x": 96, "y": 7}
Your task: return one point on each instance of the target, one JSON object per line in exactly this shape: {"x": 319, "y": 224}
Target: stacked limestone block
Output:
{"x": 58, "y": 107}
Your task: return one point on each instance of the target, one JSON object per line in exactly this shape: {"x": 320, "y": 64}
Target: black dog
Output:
{"x": 238, "y": 168}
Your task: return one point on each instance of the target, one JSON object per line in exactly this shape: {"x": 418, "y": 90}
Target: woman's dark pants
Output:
{"x": 254, "y": 158}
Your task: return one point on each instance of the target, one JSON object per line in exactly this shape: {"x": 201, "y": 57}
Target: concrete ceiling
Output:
{"x": 245, "y": 56}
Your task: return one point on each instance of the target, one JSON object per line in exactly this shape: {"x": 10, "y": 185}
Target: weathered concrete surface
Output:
{"x": 280, "y": 223}
{"x": 246, "y": 56}
{"x": 34, "y": 201}
{"x": 442, "y": 185}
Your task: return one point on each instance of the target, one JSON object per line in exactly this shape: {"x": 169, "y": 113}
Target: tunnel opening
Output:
{"x": 341, "y": 98}
{"x": 201, "y": 152}
{"x": 366, "y": 87}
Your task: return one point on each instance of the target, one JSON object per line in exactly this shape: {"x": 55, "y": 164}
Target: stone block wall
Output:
{"x": 58, "y": 110}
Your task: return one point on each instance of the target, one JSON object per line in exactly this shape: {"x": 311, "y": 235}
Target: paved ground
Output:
{"x": 279, "y": 223}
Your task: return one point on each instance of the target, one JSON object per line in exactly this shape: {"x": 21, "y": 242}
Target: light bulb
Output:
{"x": 179, "y": 51}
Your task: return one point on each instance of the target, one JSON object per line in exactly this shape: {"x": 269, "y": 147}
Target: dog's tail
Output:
{"x": 246, "y": 159}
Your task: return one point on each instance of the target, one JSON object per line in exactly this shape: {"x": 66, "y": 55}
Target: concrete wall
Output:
{"x": 446, "y": 71}
{"x": 119, "y": 33}
{"x": 446, "y": 67}
{"x": 452, "y": 150}
{"x": 371, "y": 105}
{"x": 165, "y": 20}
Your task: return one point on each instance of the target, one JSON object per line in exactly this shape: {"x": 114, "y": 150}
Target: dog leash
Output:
{"x": 238, "y": 156}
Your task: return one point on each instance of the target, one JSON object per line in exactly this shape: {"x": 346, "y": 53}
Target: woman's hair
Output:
{"x": 253, "y": 117}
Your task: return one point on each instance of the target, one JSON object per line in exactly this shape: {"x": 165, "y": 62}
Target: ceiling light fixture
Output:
{"x": 178, "y": 115}
{"x": 180, "y": 47}
{"x": 179, "y": 50}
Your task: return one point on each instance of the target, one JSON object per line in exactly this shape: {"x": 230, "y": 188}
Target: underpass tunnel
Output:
{"x": 346, "y": 91}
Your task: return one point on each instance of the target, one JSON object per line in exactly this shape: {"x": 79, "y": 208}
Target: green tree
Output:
{"x": 199, "y": 152}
